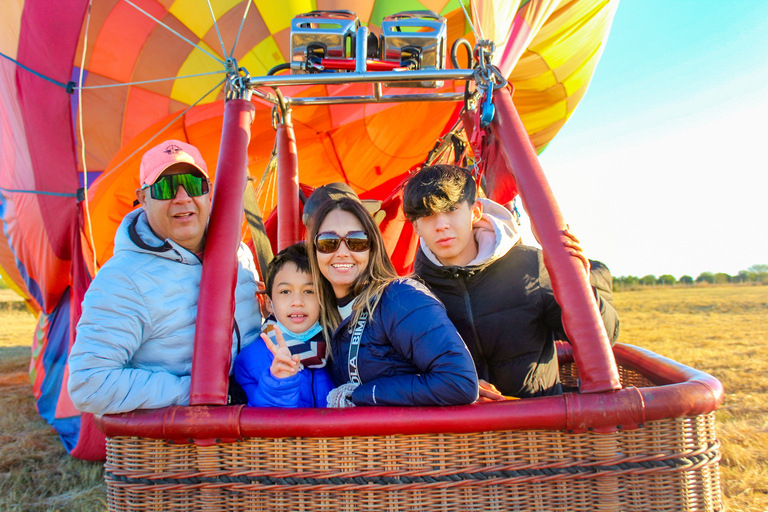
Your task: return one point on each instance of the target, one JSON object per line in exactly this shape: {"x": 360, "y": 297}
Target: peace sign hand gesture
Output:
{"x": 284, "y": 364}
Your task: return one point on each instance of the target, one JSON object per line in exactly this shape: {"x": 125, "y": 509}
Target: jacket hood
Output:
{"x": 496, "y": 233}
{"x": 135, "y": 234}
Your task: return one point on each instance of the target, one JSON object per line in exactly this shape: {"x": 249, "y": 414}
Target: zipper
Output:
{"x": 312, "y": 384}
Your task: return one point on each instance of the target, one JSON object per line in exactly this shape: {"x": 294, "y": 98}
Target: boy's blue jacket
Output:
{"x": 308, "y": 388}
{"x": 410, "y": 352}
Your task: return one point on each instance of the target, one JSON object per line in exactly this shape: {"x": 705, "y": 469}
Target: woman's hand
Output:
{"x": 284, "y": 364}
{"x": 489, "y": 393}
{"x": 341, "y": 397}
{"x": 573, "y": 243}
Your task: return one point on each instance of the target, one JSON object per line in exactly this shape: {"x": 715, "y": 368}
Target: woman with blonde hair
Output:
{"x": 390, "y": 339}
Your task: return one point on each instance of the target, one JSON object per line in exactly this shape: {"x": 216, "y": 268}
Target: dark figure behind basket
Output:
{"x": 496, "y": 291}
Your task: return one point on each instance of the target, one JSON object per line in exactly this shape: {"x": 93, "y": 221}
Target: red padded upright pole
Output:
{"x": 216, "y": 305}
{"x": 288, "y": 217}
{"x": 581, "y": 318}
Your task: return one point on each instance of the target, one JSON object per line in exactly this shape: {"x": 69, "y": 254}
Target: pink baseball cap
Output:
{"x": 164, "y": 155}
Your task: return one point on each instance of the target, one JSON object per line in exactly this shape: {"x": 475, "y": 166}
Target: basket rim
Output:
{"x": 679, "y": 391}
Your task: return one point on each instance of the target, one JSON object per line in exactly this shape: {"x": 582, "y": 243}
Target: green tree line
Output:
{"x": 757, "y": 274}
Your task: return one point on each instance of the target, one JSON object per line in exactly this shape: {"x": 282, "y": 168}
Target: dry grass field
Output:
{"x": 724, "y": 332}
{"x": 721, "y": 330}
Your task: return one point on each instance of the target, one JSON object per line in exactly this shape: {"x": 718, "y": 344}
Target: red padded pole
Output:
{"x": 288, "y": 217}
{"x": 216, "y": 304}
{"x": 581, "y": 318}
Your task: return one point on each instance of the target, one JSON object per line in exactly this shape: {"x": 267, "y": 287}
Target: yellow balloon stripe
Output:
{"x": 554, "y": 72}
{"x": 539, "y": 119}
{"x": 263, "y": 57}
{"x": 12, "y": 284}
{"x": 189, "y": 91}
{"x": 532, "y": 73}
{"x": 196, "y": 15}
{"x": 581, "y": 76}
{"x": 558, "y": 47}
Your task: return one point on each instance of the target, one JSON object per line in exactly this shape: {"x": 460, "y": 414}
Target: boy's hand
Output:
{"x": 284, "y": 364}
{"x": 573, "y": 243}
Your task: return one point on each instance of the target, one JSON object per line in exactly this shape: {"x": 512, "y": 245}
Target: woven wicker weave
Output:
{"x": 670, "y": 464}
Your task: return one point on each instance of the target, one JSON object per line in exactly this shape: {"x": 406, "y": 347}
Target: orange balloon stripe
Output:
{"x": 121, "y": 40}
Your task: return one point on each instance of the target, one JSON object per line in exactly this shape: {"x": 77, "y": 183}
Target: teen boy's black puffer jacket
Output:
{"x": 507, "y": 314}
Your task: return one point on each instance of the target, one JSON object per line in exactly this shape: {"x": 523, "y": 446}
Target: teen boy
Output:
{"x": 497, "y": 291}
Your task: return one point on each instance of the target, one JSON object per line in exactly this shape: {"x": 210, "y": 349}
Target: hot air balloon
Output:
{"x": 88, "y": 85}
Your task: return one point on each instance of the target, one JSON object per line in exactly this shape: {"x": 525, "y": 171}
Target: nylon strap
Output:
{"x": 354, "y": 348}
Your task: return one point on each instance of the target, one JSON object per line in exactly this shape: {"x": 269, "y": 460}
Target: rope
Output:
{"x": 140, "y": 148}
{"x": 27, "y": 68}
{"x": 39, "y": 192}
{"x": 270, "y": 178}
{"x": 169, "y": 28}
{"x": 216, "y": 26}
{"x": 242, "y": 22}
{"x": 478, "y": 37}
{"x": 70, "y": 87}
{"x": 451, "y": 140}
{"x": 82, "y": 141}
{"x": 151, "y": 81}
{"x": 268, "y": 174}
{"x": 271, "y": 165}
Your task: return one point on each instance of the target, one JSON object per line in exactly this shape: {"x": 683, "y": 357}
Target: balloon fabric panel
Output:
{"x": 121, "y": 40}
{"x": 143, "y": 108}
{"x": 554, "y": 72}
{"x": 198, "y": 20}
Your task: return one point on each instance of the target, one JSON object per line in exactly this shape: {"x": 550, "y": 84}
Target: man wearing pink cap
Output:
{"x": 136, "y": 335}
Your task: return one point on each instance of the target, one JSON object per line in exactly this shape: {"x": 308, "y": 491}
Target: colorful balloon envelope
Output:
{"x": 85, "y": 88}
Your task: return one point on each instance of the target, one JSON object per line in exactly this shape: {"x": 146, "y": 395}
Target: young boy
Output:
{"x": 497, "y": 291}
{"x": 288, "y": 369}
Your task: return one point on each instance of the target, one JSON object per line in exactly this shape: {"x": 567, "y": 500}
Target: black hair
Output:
{"x": 296, "y": 254}
{"x": 436, "y": 189}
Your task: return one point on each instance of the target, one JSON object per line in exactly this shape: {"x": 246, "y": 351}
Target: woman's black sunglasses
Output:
{"x": 328, "y": 242}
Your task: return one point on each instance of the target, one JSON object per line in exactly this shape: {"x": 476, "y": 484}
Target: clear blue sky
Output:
{"x": 663, "y": 167}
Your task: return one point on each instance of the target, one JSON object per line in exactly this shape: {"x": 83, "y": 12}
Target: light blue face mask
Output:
{"x": 301, "y": 336}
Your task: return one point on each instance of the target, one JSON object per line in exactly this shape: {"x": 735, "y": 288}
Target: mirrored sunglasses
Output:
{"x": 166, "y": 186}
{"x": 328, "y": 242}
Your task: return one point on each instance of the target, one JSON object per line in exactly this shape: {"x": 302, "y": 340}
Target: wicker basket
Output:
{"x": 664, "y": 464}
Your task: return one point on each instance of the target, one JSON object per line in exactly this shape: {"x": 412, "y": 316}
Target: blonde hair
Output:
{"x": 369, "y": 285}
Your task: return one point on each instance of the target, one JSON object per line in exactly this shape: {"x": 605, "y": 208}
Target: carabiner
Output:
{"x": 489, "y": 110}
